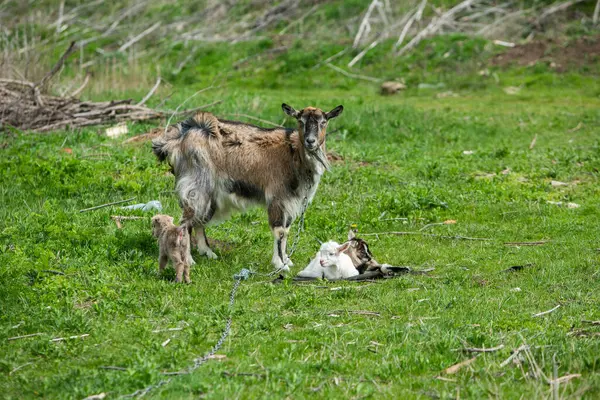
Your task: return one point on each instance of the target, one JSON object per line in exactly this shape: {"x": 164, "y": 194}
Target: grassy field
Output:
{"x": 400, "y": 157}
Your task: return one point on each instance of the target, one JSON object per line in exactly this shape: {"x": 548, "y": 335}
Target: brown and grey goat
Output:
{"x": 221, "y": 166}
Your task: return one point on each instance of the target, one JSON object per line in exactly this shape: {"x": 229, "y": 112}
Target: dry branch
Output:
{"x": 424, "y": 234}
{"x": 355, "y": 76}
{"x": 106, "y": 205}
{"x": 482, "y": 349}
{"x": 138, "y": 37}
{"x": 546, "y": 312}
{"x": 24, "y": 336}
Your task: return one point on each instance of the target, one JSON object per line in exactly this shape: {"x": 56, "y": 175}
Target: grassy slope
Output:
{"x": 411, "y": 149}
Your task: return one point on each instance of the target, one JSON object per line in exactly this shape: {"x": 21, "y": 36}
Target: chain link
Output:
{"x": 243, "y": 275}
{"x": 300, "y": 227}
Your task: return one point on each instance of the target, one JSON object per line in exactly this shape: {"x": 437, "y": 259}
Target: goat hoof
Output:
{"x": 289, "y": 262}
{"x": 211, "y": 255}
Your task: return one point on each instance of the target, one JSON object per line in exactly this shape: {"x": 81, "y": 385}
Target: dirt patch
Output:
{"x": 559, "y": 55}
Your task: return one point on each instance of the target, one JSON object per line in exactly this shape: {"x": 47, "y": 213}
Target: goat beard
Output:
{"x": 321, "y": 157}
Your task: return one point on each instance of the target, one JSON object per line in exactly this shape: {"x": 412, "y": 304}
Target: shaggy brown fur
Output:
{"x": 222, "y": 166}
{"x": 174, "y": 245}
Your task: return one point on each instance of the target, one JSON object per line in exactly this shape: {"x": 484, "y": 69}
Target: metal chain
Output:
{"x": 300, "y": 227}
{"x": 243, "y": 275}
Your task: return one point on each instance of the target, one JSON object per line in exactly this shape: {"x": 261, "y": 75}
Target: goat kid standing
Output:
{"x": 222, "y": 166}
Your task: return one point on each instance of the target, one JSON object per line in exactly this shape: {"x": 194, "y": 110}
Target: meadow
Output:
{"x": 402, "y": 163}
{"x": 491, "y": 171}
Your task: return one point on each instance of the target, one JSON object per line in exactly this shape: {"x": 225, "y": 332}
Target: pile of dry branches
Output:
{"x": 24, "y": 105}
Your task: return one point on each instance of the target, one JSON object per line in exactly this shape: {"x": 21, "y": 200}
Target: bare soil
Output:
{"x": 560, "y": 55}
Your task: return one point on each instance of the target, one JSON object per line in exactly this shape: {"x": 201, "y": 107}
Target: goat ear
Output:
{"x": 334, "y": 113}
{"x": 343, "y": 248}
{"x": 351, "y": 234}
{"x": 289, "y": 110}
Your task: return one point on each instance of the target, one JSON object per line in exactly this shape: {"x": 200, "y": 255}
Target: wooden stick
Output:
{"x": 83, "y": 85}
{"x": 138, "y": 37}
{"x": 547, "y": 312}
{"x": 364, "y": 24}
{"x": 355, "y": 76}
{"x": 596, "y": 13}
{"x": 556, "y": 7}
{"x": 60, "y": 339}
{"x": 514, "y": 354}
{"x": 297, "y": 21}
{"x": 533, "y": 141}
{"x": 482, "y": 349}
{"x": 150, "y": 93}
{"x": 58, "y": 65}
{"x": 19, "y": 367}
{"x": 424, "y": 234}
{"x": 24, "y": 336}
{"x": 415, "y": 17}
{"x": 106, "y": 205}
{"x": 333, "y": 57}
{"x": 539, "y": 243}
{"x": 256, "y": 119}
{"x": 112, "y": 368}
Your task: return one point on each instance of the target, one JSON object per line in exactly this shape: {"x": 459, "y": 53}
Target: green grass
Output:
{"x": 403, "y": 157}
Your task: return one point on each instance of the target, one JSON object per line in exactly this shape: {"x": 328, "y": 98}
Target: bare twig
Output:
{"x": 556, "y": 7}
{"x": 350, "y": 75}
{"x": 547, "y": 312}
{"x": 150, "y": 93}
{"x": 564, "y": 379}
{"x": 256, "y": 119}
{"x": 436, "y": 24}
{"x": 591, "y": 322}
{"x": 83, "y": 85}
{"x": 424, "y": 234}
{"x": 182, "y": 103}
{"x": 533, "y": 141}
{"x": 110, "y": 367}
{"x": 333, "y": 57}
{"x": 482, "y": 349}
{"x": 299, "y": 20}
{"x": 364, "y": 27}
{"x": 106, "y": 205}
{"x": 19, "y": 367}
{"x": 596, "y": 13}
{"x": 415, "y": 17}
{"x": 456, "y": 367}
{"x": 60, "y": 339}
{"x": 538, "y": 243}
{"x": 24, "y": 336}
{"x": 513, "y": 355}
{"x": 57, "y": 66}
{"x": 138, "y": 37}
{"x": 51, "y": 271}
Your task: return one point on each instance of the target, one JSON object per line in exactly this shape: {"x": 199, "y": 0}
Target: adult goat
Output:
{"x": 221, "y": 166}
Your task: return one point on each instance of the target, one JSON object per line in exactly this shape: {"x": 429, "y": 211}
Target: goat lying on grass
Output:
{"x": 174, "y": 245}
{"x": 221, "y": 166}
{"x": 330, "y": 262}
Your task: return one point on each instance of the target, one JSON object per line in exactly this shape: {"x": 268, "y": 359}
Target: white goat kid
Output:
{"x": 330, "y": 262}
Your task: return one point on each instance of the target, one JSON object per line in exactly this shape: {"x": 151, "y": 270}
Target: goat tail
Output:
{"x": 168, "y": 145}
{"x": 207, "y": 123}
